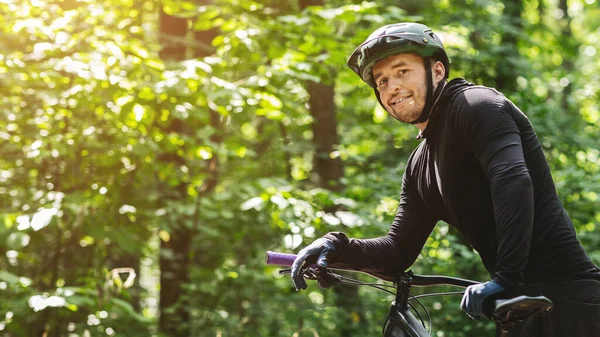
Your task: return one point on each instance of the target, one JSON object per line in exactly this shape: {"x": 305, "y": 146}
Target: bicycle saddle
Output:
{"x": 511, "y": 311}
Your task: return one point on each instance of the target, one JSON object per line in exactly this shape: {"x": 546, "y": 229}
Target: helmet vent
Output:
{"x": 432, "y": 35}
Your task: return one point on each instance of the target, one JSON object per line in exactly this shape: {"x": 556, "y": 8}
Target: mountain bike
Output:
{"x": 400, "y": 321}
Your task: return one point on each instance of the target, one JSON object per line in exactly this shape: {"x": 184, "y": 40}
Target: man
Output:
{"x": 480, "y": 168}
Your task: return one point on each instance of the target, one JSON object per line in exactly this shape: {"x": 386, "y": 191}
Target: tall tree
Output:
{"x": 569, "y": 50}
{"x": 175, "y": 251}
{"x": 506, "y": 77}
{"x": 329, "y": 168}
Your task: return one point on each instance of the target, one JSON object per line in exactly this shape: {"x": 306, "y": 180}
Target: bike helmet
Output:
{"x": 399, "y": 38}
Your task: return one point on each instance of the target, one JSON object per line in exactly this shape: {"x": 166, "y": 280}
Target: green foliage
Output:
{"x": 107, "y": 150}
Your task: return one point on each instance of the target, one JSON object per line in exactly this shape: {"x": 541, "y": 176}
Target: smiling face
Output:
{"x": 401, "y": 82}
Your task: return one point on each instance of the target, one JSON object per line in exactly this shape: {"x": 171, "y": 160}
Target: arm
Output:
{"x": 487, "y": 124}
{"x": 388, "y": 255}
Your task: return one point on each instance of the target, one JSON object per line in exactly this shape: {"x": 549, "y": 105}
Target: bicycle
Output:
{"x": 400, "y": 321}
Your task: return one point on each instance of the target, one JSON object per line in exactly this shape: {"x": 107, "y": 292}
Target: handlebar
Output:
{"x": 280, "y": 259}
{"x": 506, "y": 312}
{"x": 286, "y": 260}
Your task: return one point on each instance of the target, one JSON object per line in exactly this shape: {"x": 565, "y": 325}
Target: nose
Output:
{"x": 394, "y": 84}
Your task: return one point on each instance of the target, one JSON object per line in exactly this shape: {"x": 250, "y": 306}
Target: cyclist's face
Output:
{"x": 402, "y": 87}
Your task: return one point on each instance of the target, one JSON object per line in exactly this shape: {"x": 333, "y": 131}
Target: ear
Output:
{"x": 438, "y": 71}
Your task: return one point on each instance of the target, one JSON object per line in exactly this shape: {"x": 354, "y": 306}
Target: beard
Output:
{"x": 407, "y": 111}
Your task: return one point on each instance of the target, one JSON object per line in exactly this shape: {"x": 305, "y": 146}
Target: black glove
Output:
{"x": 320, "y": 248}
{"x": 475, "y": 295}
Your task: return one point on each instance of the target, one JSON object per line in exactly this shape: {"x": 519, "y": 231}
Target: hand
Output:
{"x": 475, "y": 296}
{"x": 321, "y": 248}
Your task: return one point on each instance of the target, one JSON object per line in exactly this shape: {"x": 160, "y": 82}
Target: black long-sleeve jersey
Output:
{"x": 480, "y": 168}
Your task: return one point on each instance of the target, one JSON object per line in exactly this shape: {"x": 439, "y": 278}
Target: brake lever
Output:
{"x": 325, "y": 277}
{"x": 309, "y": 272}
{"x": 285, "y": 271}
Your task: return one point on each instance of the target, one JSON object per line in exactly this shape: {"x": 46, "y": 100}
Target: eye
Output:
{"x": 402, "y": 71}
{"x": 382, "y": 82}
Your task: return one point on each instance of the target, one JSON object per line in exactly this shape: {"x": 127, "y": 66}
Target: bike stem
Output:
{"x": 403, "y": 284}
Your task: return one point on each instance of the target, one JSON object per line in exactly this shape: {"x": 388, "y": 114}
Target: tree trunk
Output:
{"x": 172, "y": 33}
{"x": 327, "y": 165}
{"x": 507, "y": 68}
{"x": 570, "y": 46}
{"x": 329, "y": 171}
{"x": 176, "y": 253}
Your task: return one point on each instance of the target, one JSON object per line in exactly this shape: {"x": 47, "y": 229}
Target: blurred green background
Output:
{"x": 152, "y": 151}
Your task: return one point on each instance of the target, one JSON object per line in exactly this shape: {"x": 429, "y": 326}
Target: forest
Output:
{"x": 152, "y": 152}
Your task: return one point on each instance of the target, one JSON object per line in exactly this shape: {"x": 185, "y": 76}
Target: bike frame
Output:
{"x": 401, "y": 322}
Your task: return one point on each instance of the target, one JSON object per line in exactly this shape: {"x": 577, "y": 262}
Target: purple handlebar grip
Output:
{"x": 280, "y": 259}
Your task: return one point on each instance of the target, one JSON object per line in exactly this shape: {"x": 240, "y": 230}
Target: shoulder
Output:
{"x": 477, "y": 106}
{"x": 479, "y": 97}
{"x": 481, "y": 115}
{"x": 459, "y": 93}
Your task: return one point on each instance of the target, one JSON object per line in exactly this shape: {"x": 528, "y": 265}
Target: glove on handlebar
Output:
{"x": 320, "y": 248}
{"x": 475, "y": 296}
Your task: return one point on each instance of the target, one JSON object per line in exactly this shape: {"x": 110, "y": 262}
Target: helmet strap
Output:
{"x": 429, "y": 100}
